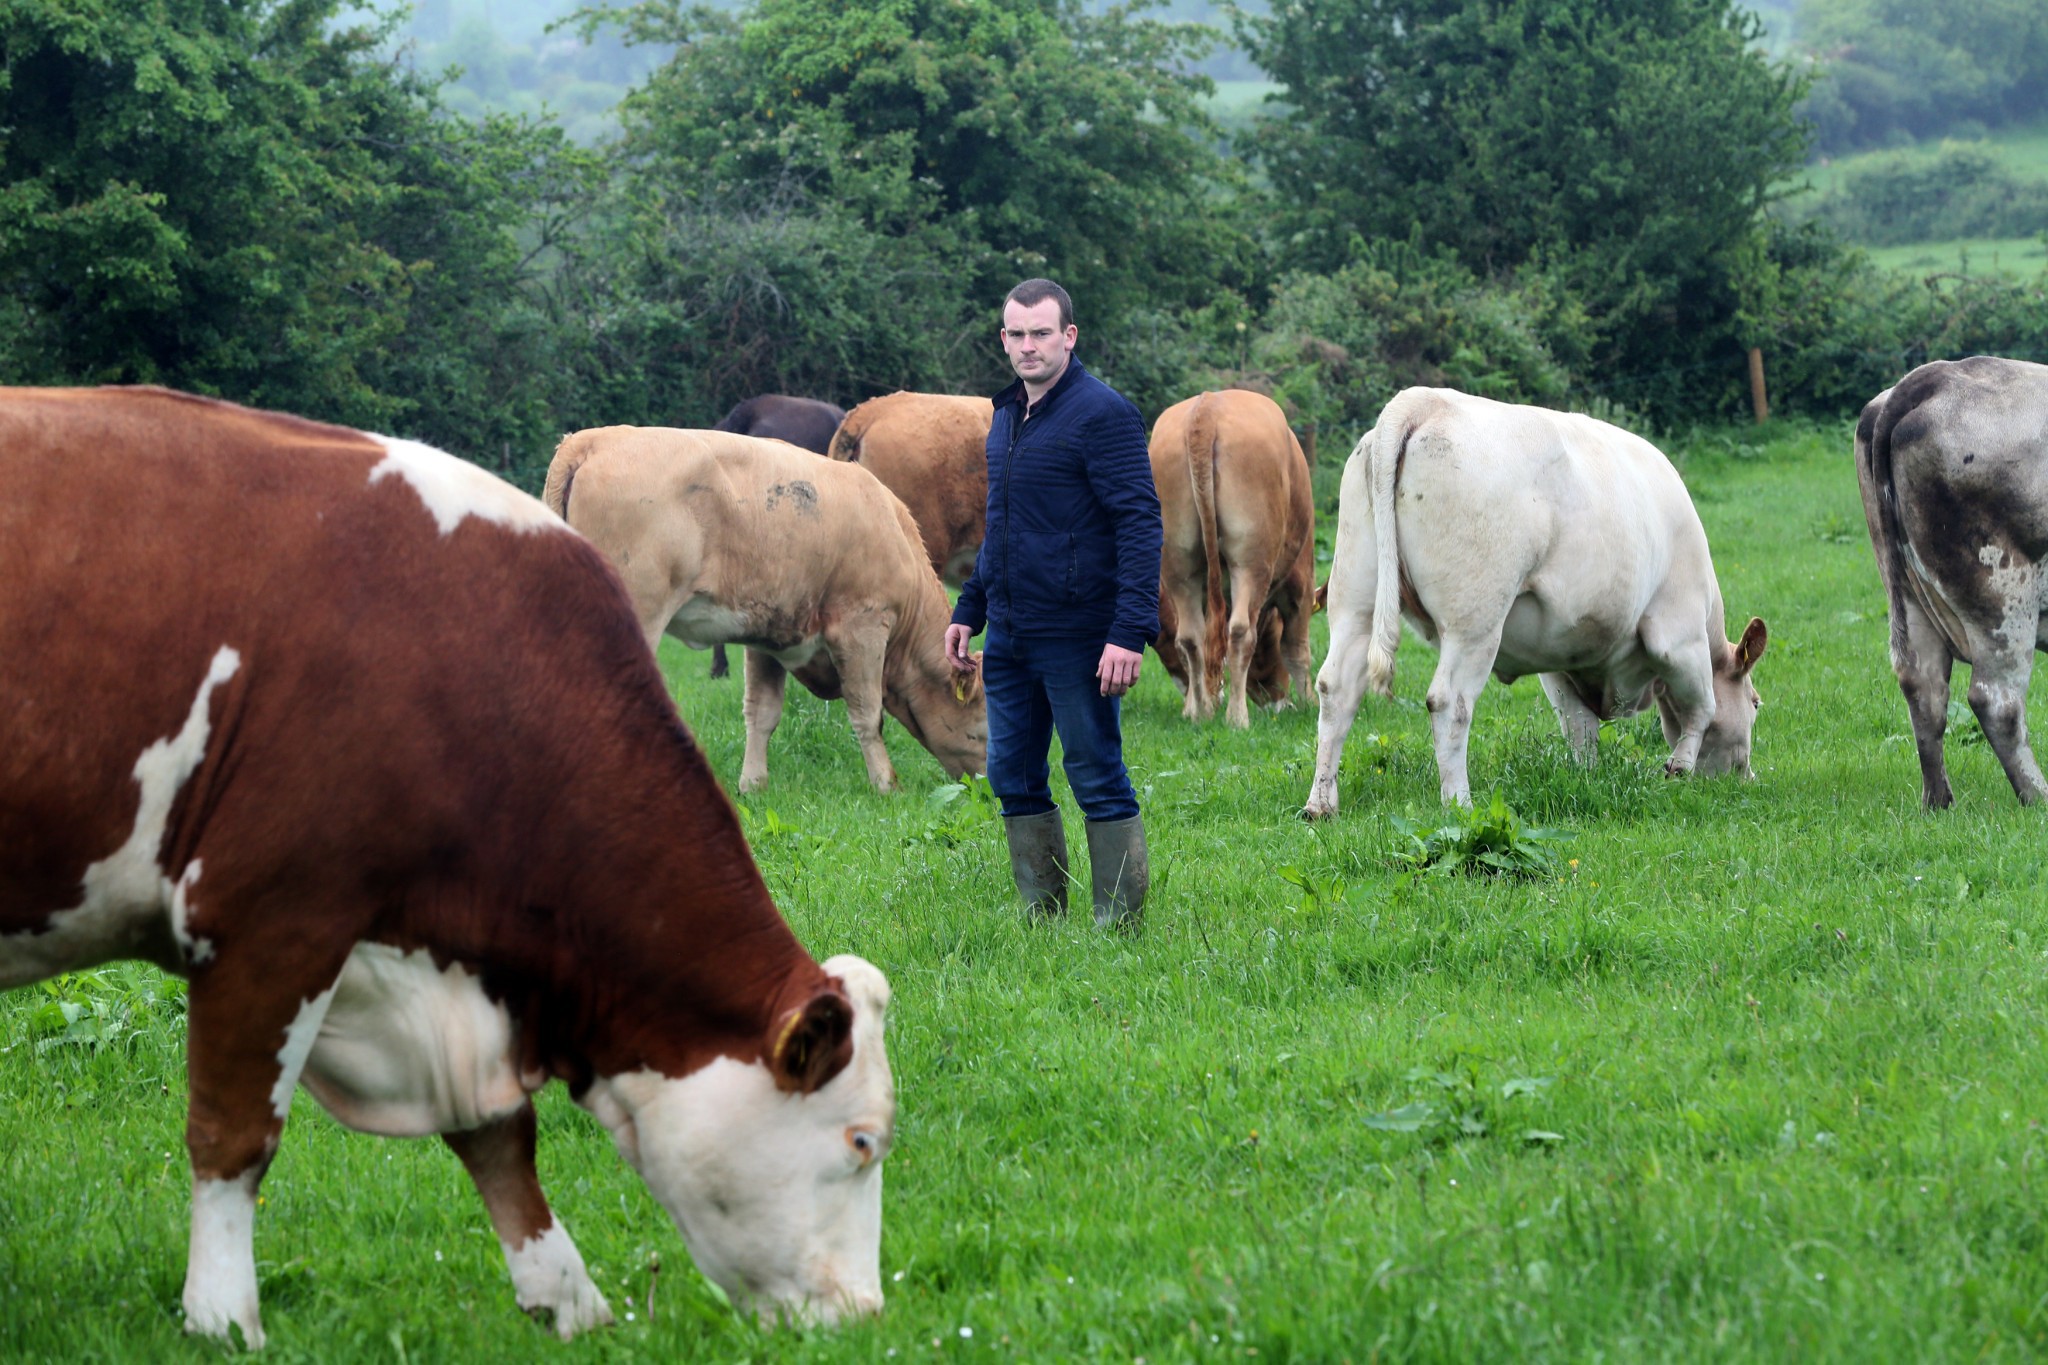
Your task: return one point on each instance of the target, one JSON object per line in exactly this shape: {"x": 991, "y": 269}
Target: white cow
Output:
{"x": 1520, "y": 540}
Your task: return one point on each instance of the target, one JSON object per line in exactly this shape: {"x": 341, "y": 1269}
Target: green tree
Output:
{"x": 1038, "y": 137}
{"x": 247, "y": 199}
{"x": 1624, "y": 147}
{"x": 1896, "y": 70}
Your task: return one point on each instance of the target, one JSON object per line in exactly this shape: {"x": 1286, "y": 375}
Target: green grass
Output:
{"x": 1789, "y": 1033}
{"x": 2024, "y": 256}
{"x": 2022, "y": 150}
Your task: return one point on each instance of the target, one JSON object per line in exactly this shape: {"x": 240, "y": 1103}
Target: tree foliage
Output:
{"x": 248, "y": 199}
{"x": 1896, "y": 70}
{"x": 1626, "y": 146}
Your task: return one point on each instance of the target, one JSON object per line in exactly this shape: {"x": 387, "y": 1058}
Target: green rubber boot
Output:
{"x": 1038, "y": 861}
{"x": 1120, "y": 870}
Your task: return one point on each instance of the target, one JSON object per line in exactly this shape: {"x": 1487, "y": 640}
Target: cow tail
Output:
{"x": 1201, "y": 457}
{"x": 1390, "y": 440}
{"x": 569, "y": 457}
{"x": 846, "y": 441}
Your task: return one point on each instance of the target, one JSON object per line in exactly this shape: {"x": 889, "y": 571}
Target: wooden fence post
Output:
{"x": 1757, "y": 399}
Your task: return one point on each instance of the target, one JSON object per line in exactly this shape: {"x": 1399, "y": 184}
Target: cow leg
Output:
{"x": 1686, "y": 704}
{"x": 1922, "y": 661}
{"x": 858, "y": 653}
{"x": 761, "y": 710}
{"x": 1248, "y": 590}
{"x": 1340, "y": 687}
{"x": 1998, "y": 696}
{"x": 1581, "y": 727}
{"x": 1461, "y": 671}
{"x": 1191, "y": 631}
{"x": 1296, "y": 651}
{"x": 247, "y": 1039}
{"x": 547, "y": 1271}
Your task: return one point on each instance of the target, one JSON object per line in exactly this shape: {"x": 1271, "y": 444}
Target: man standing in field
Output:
{"x": 1067, "y": 583}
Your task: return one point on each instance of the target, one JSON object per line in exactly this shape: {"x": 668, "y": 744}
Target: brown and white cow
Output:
{"x": 1239, "y": 522}
{"x": 811, "y": 564}
{"x": 367, "y": 745}
{"x": 1953, "y": 466}
{"x": 1520, "y": 540}
{"x": 930, "y": 450}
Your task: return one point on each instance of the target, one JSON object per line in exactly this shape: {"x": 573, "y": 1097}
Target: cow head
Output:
{"x": 772, "y": 1170}
{"x": 946, "y": 711}
{"x": 1725, "y": 746}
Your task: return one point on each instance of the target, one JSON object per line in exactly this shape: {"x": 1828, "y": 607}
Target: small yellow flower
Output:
{"x": 1575, "y": 864}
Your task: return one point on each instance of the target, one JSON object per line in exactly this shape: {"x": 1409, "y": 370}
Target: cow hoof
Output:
{"x": 1313, "y": 812}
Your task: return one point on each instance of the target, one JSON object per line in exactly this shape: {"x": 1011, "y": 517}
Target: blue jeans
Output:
{"x": 1035, "y": 685}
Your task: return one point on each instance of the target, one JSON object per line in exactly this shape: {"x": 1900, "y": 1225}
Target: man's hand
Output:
{"x": 957, "y": 655}
{"x": 1118, "y": 669}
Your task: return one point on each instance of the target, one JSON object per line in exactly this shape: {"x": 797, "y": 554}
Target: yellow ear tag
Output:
{"x": 962, "y": 688}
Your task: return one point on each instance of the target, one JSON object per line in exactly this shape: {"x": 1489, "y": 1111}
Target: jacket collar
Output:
{"x": 1069, "y": 376}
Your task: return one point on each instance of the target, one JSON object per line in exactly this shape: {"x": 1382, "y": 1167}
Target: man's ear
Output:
{"x": 813, "y": 1042}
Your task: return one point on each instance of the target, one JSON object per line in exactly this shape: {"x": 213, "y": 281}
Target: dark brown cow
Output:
{"x": 1239, "y": 521}
{"x": 368, "y": 745}
{"x": 806, "y": 422}
{"x": 930, "y": 450}
{"x": 1953, "y": 466}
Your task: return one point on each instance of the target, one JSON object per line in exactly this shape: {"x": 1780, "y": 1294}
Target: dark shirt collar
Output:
{"x": 1015, "y": 393}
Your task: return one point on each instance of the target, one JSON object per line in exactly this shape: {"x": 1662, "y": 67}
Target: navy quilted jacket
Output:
{"x": 1072, "y": 543}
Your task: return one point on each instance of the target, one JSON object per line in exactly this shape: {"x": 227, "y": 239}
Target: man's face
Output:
{"x": 1035, "y": 342}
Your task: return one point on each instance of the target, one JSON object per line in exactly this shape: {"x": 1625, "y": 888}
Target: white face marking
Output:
{"x": 548, "y": 1272}
{"x": 453, "y": 489}
{"x": 220, "y": 1272}
{"x": 122, "y": 892}
{"x": 778, "y": 1196}
{"x": 408, "y": 1049}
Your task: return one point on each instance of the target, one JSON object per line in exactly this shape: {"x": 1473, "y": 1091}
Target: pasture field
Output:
{"x": 1755, "y": 1073}
{"x": 2022, "y": 257}
{"x": 2021, "y": 149}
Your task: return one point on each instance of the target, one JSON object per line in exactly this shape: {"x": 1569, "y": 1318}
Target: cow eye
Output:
{"x": 866, "y": 1146}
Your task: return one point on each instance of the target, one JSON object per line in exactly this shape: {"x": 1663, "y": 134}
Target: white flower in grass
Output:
{"x": 966, "y": 1332}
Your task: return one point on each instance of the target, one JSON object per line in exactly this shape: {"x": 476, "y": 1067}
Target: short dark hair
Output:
{"x": 1031, "y": 293}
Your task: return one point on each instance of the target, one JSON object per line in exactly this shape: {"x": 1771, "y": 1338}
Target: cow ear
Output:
{"x": 967, "y": 685}
{"x": 813, "y": 1042}
{"x": 1322, "y": 598}
{"x": 1751, "y": 647}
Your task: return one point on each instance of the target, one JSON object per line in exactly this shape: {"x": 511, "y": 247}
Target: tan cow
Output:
{"x": 930, "y": 450}
{"x": 1239, "y": 542}
{"x": 367, "y": 745}
{"x": 813, "y": 565}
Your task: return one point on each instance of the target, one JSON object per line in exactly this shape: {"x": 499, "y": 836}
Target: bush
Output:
{"x": 1962, "y": 192}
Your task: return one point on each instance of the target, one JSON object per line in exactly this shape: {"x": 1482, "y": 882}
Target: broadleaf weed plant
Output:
{"x": 1485, "y": 840}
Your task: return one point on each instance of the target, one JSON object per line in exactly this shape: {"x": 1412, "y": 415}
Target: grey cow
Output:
{"x": 1953, "y": 465}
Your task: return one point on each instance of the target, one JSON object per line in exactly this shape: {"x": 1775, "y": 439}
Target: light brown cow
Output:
{"x": 367, "y": 745}
{"x": 813, "y": 565}
{"x": 1239, "y": 523}
{"x": 930, "y": 450}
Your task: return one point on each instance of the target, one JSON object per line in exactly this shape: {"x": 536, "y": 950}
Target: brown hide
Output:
{"x": 930, "y": 450}
{"x": 437, "y": 733}
{"x": 1236, "y": 588}
{"x": 812, "y": 564}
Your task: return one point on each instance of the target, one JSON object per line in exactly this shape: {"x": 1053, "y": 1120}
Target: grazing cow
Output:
{"x": 811, "y": 564}
{"x": 363, "y": 742}
{"x": 1520, "y": 540}
{"x": 806, "y": 422}
{"x": 1266, "y": 682}
{"x": 1953, "y": 466}
{"x": 1239, "y": 518}
{"x": 930, "y": 450}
